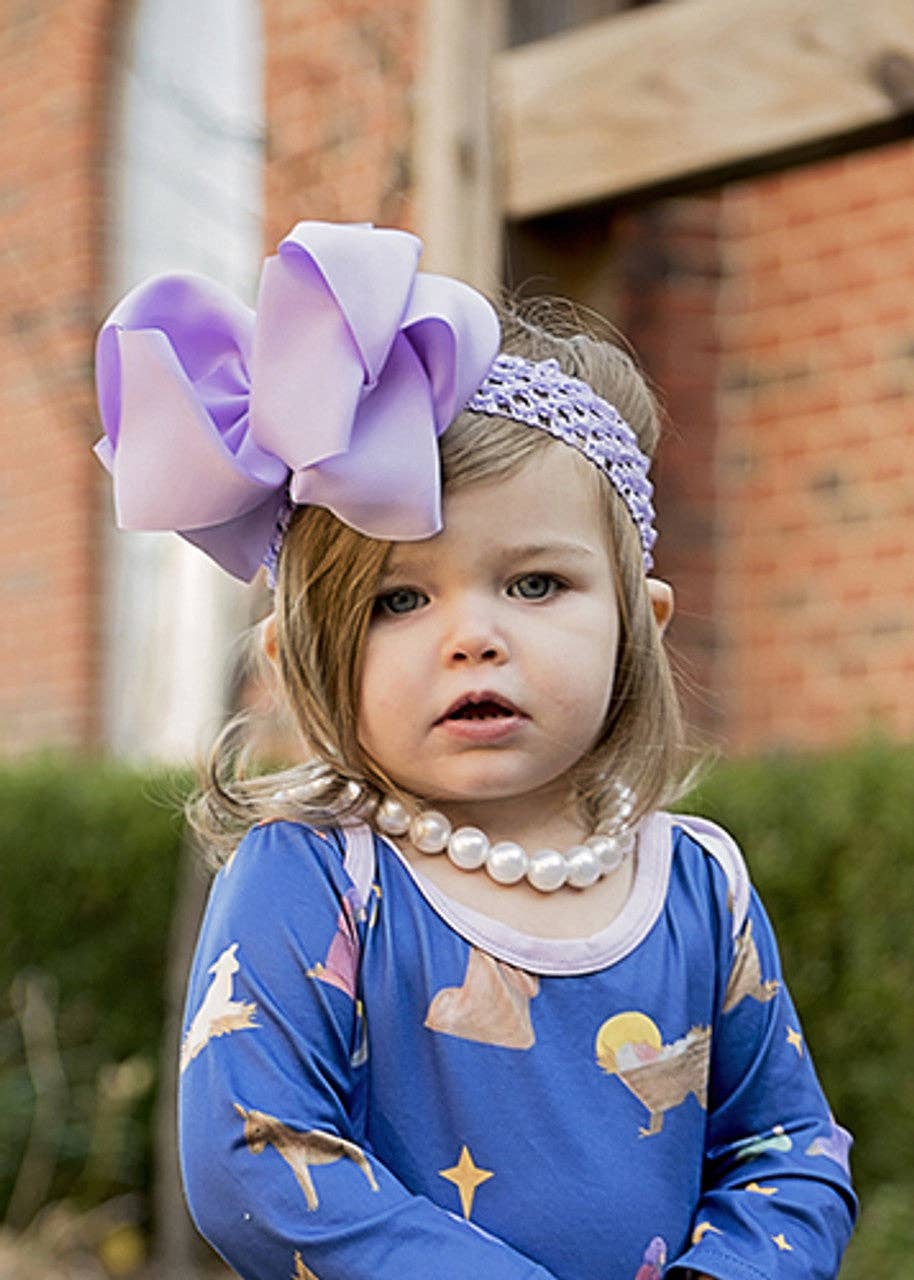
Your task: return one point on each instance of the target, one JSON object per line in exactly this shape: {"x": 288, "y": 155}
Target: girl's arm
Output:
{"x": 777, "y": 1200}
{"x": 278, "y": 1173}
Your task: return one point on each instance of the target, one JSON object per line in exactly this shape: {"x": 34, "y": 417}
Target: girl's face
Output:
{"x": 489, "y": 660}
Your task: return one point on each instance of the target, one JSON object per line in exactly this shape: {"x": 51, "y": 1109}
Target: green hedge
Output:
{"x": 830, "y": 844}
{"x": 88, "y": 858}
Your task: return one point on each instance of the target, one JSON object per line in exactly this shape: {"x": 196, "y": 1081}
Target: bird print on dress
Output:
{"x": 654, "y": 1260}
{"x": 219, "y": 1013}
{"x": 661, "y": 1076}
{"x": 836, "y": 1146}
{"x": 746, "y": 974}
{"x": 301, "y": 1149}
{"x": 777, "y": 1139}
{"x": 491, "y": 1007}
{"x": 341, "y": 965}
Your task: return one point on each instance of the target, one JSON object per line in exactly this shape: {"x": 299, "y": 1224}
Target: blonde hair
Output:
{"x": 328, "y": 578}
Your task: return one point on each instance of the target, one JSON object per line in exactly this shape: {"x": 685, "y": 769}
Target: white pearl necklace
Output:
{"x": 506, "y": 862}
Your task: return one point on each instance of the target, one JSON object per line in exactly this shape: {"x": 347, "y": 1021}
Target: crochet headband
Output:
{"x": 219, "y": 420}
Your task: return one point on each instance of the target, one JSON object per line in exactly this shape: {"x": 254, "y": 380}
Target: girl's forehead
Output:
{"x": 550, "y": 504}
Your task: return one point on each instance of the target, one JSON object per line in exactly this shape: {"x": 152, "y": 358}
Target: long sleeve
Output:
{"x": 777, "y": 1201}
{"x": 278, "y": 1173}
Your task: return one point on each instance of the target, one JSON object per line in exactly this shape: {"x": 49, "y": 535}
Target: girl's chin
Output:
{"x": 493, "y": 793}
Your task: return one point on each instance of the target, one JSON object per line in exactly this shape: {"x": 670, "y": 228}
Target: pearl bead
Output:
{"x": 609, "y": 849}
{"x": 584, "y": 868}
{"x": 351, "y": 792}
{"x": 467, "y": 848}
{"x": 547, "y": 870}
{"x": 429, "y": 831}
{"x": 507, "y": 862}
{"x": 392, "y": 817}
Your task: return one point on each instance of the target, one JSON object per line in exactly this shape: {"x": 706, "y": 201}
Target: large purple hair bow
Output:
{"x": 336, "y": 388}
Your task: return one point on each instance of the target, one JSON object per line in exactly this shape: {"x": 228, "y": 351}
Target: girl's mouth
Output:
{"x": 481, "y": 706}
{"x": 482, "y": 718}
{"x": 480, "y": 711}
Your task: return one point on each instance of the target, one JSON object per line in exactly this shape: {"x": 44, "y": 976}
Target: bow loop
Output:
{"x": 336, "y": 387}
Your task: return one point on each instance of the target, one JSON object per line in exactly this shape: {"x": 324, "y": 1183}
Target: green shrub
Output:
{"x": 88, "y": 857}
{"x": 830, "y": 845}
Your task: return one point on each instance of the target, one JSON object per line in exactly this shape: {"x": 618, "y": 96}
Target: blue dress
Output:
{"x": 378, "y": 1083}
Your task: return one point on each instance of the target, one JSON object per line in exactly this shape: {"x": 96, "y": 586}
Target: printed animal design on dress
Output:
{"x": 491, "y": 1007}
{"x": 341, "y": 966}
{"x": 661, "y": 1076}
{"x": 776, "y": 1139}
{"x": 301, "y": 1271}
{"x": 301, "y": 1149}
{"x": 654, "y": 1260}
{"x": 746, "y": 974}
{"x": 219, "y": 1013}
{"x": 836, "y": 1146}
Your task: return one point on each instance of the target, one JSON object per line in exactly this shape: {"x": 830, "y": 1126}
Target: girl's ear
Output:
{"x": 662, "y": 602}
{"x": 268, "y": 636}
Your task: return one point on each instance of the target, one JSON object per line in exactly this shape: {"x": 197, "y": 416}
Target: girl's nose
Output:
{"x": 473, "y": 641}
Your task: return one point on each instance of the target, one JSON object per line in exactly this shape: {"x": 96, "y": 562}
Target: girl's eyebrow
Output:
{"x": 530, "y": 551}
{"x": 522, "y": 551}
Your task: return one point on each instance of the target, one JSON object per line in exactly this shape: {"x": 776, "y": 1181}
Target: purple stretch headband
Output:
{"x": 543, "y": 395}
{"x": 220, "y": 419}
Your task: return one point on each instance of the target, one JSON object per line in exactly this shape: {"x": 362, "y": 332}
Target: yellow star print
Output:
{"x": 466, "y": 1176}
{"x": 761, "y": 1191}
{"x": 782, "y": 1243}
{"x": 794, "y": 1038}
{"x": 702, "y": 1230}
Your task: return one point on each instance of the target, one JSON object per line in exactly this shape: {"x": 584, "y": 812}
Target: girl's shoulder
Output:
{"x": 704, "y": 848}
{"x": 290, "y": 856}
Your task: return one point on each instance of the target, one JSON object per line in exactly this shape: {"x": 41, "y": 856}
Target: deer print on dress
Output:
{"x": 219, "y": 1013}
{"x": 746, "y": 975}
{"x": 301, "y": 1149}
{"x": 301, "y": 1271}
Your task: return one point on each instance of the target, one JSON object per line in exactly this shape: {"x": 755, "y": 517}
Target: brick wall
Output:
{"x": 339, "y": 80}
{"x": 816, "y": 456}
{"x": 51, "y": 56}
{"x": 670, "y": 258}
{"x": 778, "y": 318}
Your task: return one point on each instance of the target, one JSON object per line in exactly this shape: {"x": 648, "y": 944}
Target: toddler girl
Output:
{"x": 467, "y": 1001}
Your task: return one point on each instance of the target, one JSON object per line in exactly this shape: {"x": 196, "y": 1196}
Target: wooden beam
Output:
{"x": 697, "y": 87}
{"x": 458, "y": 210}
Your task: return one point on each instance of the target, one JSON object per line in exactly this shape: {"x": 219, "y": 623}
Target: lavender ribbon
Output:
{"x": 334, "y": 390}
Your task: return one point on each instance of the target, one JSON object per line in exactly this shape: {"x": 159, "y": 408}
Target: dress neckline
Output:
{"x": 563, "y": 956}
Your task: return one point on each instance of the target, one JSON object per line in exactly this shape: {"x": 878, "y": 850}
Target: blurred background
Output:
{"x": 731, "y": 182}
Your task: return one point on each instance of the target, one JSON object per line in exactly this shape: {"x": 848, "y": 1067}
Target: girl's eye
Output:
{"x": 402, "y": 600}
{"x": 534, "y": 586}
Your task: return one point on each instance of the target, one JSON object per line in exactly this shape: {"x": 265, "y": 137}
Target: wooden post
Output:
{"x": 458, "y": 206}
